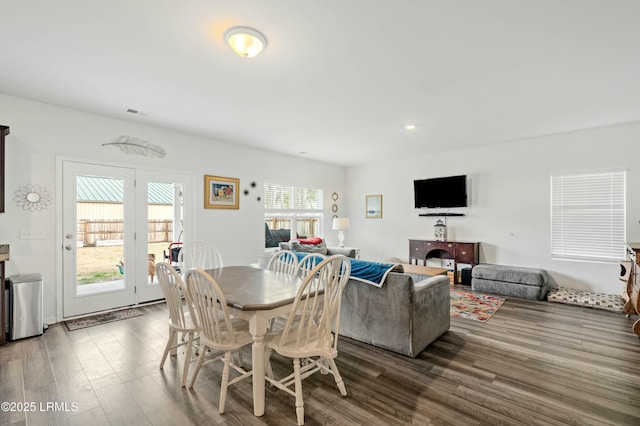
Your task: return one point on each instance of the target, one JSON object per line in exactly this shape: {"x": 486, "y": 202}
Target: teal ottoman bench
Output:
{"x": 516, "y": 281}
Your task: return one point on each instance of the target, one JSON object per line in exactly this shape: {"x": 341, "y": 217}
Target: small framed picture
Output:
{"x": 221, "y": 192}
{"x": 373, "y": 207}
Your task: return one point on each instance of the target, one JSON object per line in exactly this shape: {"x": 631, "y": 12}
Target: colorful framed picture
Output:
{"x": 373, "y": 207}
{"x": 221, "y": 192}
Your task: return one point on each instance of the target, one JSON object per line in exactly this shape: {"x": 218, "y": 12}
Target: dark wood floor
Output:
{"x": 532, "y": 363}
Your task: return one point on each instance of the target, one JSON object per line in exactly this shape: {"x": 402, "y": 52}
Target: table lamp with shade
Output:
{"x": 340, "y": 224}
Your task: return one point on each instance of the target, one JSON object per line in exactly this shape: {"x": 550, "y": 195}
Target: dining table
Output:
{"x": 257, "y": 295}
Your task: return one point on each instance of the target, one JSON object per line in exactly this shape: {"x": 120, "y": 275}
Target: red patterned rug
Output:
{"x": 474, "y": 306}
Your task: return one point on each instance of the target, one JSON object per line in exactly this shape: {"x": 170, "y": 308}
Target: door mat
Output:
{"x": 474, "y": 306}
{"x": 571, "y": 296}
{"x": 85, "y": 322}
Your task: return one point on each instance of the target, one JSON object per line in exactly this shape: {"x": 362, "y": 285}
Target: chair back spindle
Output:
{"x": 316, "y": 309}
{"x": 307, "y": 263}
{"x": 174, "y": 290}
{"x": 283, "y": 261}
{"x": 211, "y": 308}
{"x": 200, "y": 255}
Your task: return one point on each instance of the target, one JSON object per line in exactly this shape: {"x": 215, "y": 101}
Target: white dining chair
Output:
{"x": 307, "y": 263}
{"x": 308, "y": 334}
{"x": 218, "y": 331}
{"x": 199, "y": 254}
{"x": 283, "y": 261}
{"x": 181, "y": 317}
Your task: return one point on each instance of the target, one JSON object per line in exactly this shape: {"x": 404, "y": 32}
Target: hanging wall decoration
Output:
{"x": 134, "y": 146}
{"x": 221, "y": 192}
{"x": 33, "y": 197}
{"x": 373, "y": 206}
{"x": 334, "y": 207}
{"x": 246, "y": 192}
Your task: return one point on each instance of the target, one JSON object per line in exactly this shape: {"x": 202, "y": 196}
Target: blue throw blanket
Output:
{"x": 301, "y": 255}
{"x": 373, "y": 273}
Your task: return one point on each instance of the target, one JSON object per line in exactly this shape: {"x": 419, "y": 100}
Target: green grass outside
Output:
{"x": 99, "y": 264}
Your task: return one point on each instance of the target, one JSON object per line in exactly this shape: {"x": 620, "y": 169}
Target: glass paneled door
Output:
{"x": 98, "y": 237}
{"x": 118, "y": 223}
{"x": 161, "y": 204}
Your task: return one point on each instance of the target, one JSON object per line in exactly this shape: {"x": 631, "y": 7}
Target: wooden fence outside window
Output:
{"x": 92, "y": 232}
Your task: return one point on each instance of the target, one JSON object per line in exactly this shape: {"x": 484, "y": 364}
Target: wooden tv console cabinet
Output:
{"x": 460, "y": 252}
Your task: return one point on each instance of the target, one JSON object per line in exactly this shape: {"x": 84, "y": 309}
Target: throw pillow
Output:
{"x": 308, "y": 248}
{"x": 316, "y": 240}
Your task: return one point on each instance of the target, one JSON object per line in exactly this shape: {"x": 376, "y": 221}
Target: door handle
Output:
{"x": 68, "y": 247}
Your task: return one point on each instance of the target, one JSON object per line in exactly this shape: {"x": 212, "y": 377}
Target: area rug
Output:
{"x": 85, "y": 322}
{"x": 571, "y": 296}
{"x": 474, "y": 306}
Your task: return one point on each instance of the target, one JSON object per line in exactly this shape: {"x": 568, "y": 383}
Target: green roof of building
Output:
{"x": 110, "y": 190}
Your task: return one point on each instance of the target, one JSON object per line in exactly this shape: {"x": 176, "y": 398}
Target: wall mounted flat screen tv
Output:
{"x": 443, "y": 192}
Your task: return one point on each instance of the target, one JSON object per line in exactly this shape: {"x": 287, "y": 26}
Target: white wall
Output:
{"x": 42, "y": 132}
{"x": 509, "y": 212}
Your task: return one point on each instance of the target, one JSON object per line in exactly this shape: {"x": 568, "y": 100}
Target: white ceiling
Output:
{"x": 340, "y": 78}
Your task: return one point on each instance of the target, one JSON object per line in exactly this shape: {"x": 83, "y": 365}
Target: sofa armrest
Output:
{"x": 431, "y": 311}
{"x": 431, "y": 282}
{"x": 379, "y": 316}
{"x": 349, "y": 252}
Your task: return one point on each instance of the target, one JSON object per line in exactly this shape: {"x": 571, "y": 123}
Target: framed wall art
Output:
{"x": 373, "y": 206}
{"x": 221, "y": 192}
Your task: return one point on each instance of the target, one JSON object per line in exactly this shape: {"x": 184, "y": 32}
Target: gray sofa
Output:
{"x": 263, "y": 260}
{"x": 400, "y": 316}
{"x": 318, "y": 248}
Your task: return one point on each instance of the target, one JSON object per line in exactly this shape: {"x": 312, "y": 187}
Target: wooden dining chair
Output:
{"x": 218, "y": 330}
{"x": 181, "y": 317}
{"x": 199, "y": 254}
{"x": 283, "y": 261}
{"x": 308, "y": 334}
{"x": 307, "y": 263}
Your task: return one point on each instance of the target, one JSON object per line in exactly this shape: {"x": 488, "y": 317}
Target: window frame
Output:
{"x": 295, "y": 214}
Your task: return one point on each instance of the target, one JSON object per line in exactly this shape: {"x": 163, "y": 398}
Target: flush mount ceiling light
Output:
{"x": 245, "y": 41}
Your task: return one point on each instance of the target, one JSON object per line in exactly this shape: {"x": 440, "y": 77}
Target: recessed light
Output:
{"x": 410, "y": 126}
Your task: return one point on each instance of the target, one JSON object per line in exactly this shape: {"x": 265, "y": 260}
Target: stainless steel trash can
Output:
{"x": 25, "y": 305}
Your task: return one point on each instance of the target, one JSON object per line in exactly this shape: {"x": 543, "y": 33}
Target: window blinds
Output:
{"x": 588, "y": 216}
{"x": 285, "y": 197}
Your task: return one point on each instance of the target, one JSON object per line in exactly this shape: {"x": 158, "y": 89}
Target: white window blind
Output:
{"x": 284, "y": 197}
{"x": 588, "y": 216}
{"x": 276, "y": 196}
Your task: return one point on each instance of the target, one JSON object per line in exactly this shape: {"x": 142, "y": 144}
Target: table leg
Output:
{"x": 258, "y": 327}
